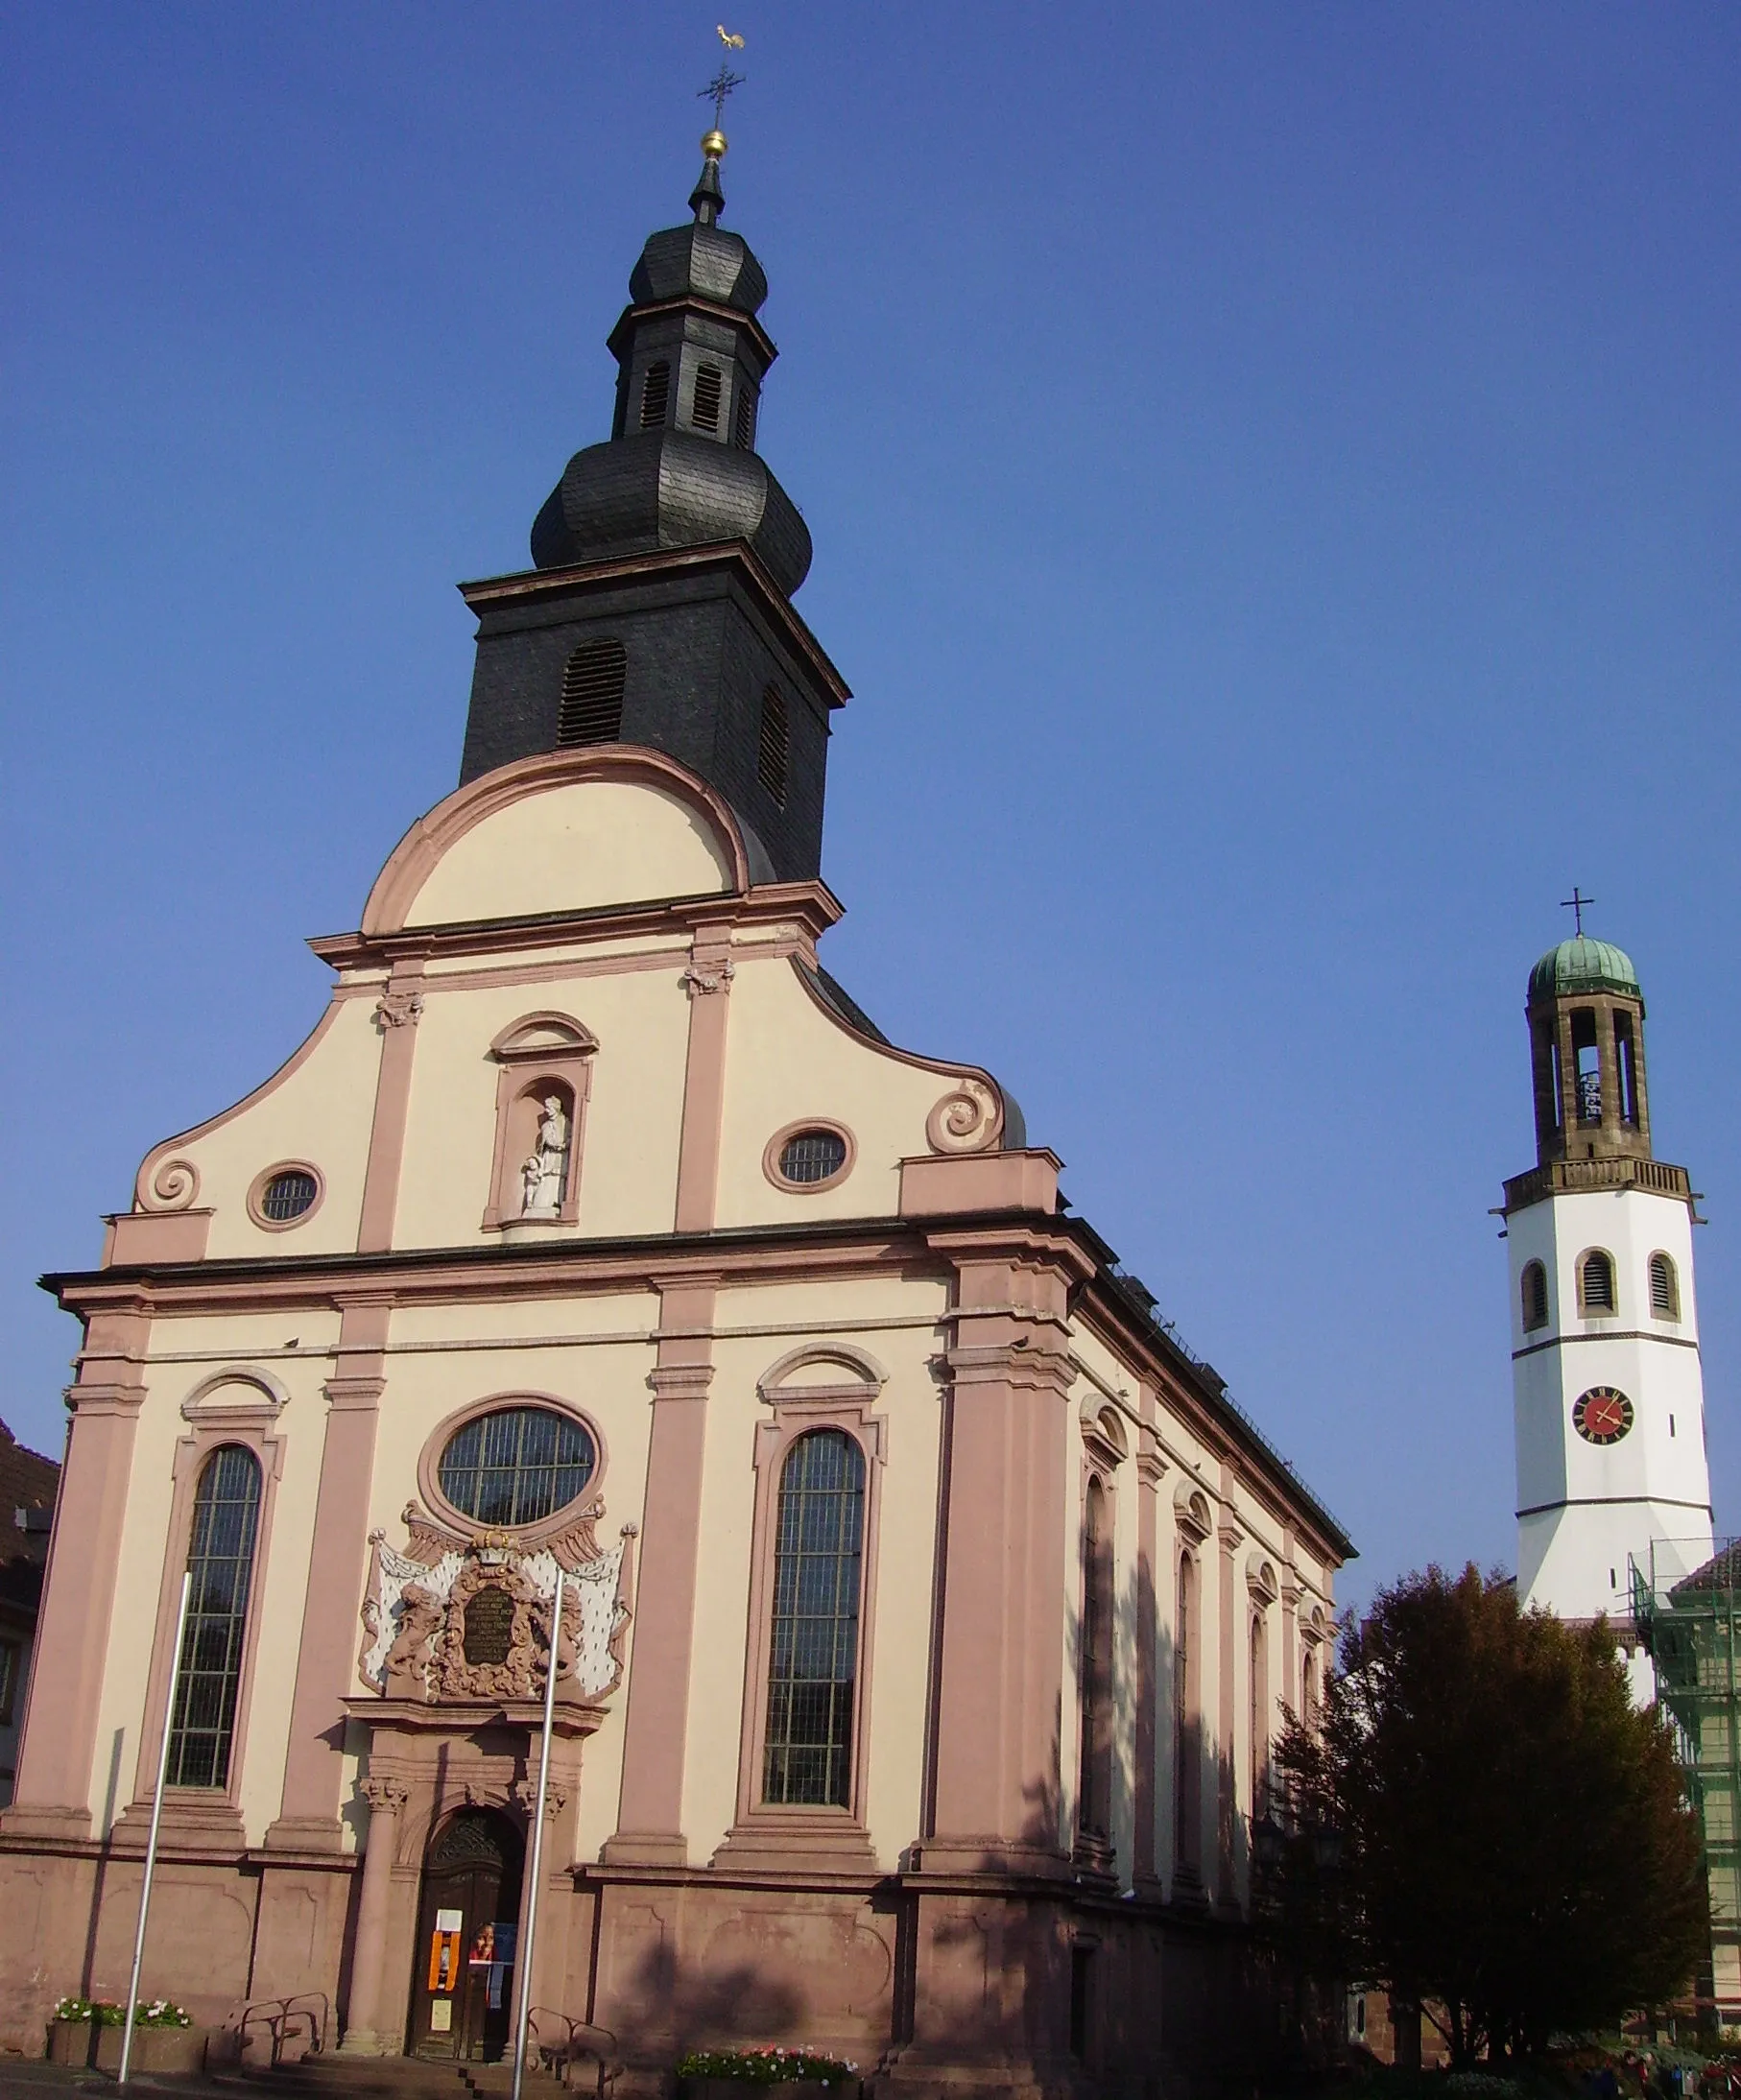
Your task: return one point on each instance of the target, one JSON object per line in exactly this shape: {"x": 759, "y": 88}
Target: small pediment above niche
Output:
{"x": 822, "y": 1372}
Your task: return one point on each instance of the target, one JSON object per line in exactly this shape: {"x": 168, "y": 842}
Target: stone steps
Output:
{"x": 394, "y": 2078}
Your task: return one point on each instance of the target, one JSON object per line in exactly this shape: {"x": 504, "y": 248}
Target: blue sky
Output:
{"x": 1273, "y": 477}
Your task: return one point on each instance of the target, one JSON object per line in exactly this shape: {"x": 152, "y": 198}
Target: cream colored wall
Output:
{"x": 574, "y": 847}
{"x": 877, "y": 1315}
{"x": 627, "y": 1168}
{"x": 323, "y": 1114}
{"x": 788, "y": 1059}
{"x": 184, "y": 1353}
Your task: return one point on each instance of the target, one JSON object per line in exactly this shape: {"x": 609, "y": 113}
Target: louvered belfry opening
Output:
{"x": 743, "y": 434}
{"x": 774, "y": 745}
{"x": 656, "y": 395}
{"x": 705, "y": 412}
{"x": 592, "y": 694}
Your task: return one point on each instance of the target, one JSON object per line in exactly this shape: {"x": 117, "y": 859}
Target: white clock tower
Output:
{"x": 1607, "y": 1389}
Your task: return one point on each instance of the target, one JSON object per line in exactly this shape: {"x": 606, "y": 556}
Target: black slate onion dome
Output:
{"x": 681, "y": 467}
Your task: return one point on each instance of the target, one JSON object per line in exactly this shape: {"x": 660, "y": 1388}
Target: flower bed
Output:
{"x": 721, "y": 2074}
{"x": 87, "y": 2031}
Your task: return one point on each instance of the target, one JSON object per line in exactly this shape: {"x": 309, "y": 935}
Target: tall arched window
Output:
{"x": 1308, "y": 1685}
{"x": 812, "y": 1648}
{"x": 1188, "y": 1764}
{"x": 1534, "y": 1294}
{"x": 1596, "y": 1282}
{"x": 1094, "y": 1779}
{"x": 1260, "y": 1711}
{"x": 220, "y": 1560}
{"x": 1665, "y": 1288}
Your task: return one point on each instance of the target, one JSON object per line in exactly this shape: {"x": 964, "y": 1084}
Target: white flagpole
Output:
{"x": 523, "y": 1953}
{"x": 151, "y": 1843}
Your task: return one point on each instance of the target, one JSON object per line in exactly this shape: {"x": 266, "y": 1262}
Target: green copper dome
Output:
{"x": 1584, "y": 964}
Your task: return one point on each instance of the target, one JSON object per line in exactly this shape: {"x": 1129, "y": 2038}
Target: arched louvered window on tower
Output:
{"x": 1596, "y": 1282}
{"x": 1534, "y": 1294}
{"x": 208, "y": 1672}
{"x": 743, "y": 429}
{"x": 656, "y": 395}
{"x": 774, "y": 745}
{"x": 813, "y": 1646}
{"x": 1665, "y": 1288}
{"x": 592, "y": 694}
{"x": 704, "y": 408}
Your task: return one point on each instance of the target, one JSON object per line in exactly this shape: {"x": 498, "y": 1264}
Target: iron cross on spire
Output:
{"x": 1575, "y": 904}
{"x": 723, "y": 80}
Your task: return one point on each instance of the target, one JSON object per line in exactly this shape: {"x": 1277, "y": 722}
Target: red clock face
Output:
{"x": 1603, "y": 1414}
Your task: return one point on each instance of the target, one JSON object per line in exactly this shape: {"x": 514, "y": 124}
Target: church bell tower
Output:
{"x": 1607, "y": 1384}
{"x": 658, "y": 611}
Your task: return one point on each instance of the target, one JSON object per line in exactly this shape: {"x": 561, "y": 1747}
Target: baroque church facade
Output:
{"x": 929, "y": 1609}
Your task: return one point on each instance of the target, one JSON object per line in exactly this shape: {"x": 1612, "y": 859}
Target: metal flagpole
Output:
{"x": 523, "y": 1953}
{"x": 151, "y": 1843}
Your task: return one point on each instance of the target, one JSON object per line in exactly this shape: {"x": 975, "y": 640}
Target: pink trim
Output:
{"x": 256, "y": 1194}
{"x": 997, "y": 1784}
{"x": 782, "y": 1137}
{"x": 1150, "y": 1466}
{"x": 943, "y": 1065}
{"x": 313, "y": 1765}
{"x": 650, "y": 1813}
{"x": 71, "y": 1648}
{"x": 397, "y": 1019}
{"x": 1230, "y": 1537}
{"x": 158, "y": 1165}
{"x": 564, "y": 1067}
{"x": 429, "y": 1459}
{"x": 707, "y": 979}
{"x": 252, "y": 1427}
{"x": 414, "y": 859}
{"x": 798, "y": 1410}
{"x": 951, "y": 1185}
{"x": 137, "y": 1237}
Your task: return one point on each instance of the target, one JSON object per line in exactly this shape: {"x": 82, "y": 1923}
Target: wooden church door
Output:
{"x": 461, "y": 1990}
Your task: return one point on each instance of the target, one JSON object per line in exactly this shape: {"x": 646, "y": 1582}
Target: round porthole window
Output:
{"x": 809, "y": 1156}
{"x": 288, "y": 1196}
{"x": 285, "y": 1194}
{"x": 516, "y": 1465}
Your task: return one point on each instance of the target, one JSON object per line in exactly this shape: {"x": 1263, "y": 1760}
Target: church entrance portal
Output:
{"x": 461, "y": 1986}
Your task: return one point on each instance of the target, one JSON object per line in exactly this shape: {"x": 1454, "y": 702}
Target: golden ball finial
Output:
{"x": 713, "y": 143}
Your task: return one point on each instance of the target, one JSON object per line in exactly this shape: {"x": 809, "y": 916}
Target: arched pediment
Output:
{"x": 536, "y": 1036}
{"x": 825, "y": 1370}
{"x": 241, "y": 1394}
{"x": 566, "y": 830}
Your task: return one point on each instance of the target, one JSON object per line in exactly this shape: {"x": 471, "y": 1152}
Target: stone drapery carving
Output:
{"x": 544, "y": 1175}
{"x": 456, "y": 1618}
{"x": 399, "y": 1010}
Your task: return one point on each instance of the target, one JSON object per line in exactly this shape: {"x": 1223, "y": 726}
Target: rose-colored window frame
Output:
{"x": 783, "y": 1136}
{"x": 263, "y": 1181}
{"x": 213, "y": 1421}
{"x": 584, "y": 1503}
{"x": 538, "y": 1049}
{"x": 846, "y": 1404}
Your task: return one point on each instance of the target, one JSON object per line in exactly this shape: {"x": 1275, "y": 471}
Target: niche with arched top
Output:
{"x": 544, "y": 1077}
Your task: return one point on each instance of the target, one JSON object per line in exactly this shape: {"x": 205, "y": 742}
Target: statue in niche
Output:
{"x": 545, "y": 1171}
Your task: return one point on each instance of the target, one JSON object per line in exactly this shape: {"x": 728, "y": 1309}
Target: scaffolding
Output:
{"x": 1691, "y": 1625}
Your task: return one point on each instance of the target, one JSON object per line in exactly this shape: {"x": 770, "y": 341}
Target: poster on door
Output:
{"x": 444, "y": 1954}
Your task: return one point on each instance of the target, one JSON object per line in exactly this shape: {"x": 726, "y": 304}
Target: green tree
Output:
{"x": 1514, "y": 1846}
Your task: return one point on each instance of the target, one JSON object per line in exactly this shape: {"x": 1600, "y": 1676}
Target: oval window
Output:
{"x": 288, "y": 1195}
{"x": 809, "y": 1156}
{"x": 517, "y": 1465}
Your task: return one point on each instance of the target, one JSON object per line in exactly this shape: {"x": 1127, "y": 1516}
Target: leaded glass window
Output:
{"x": 220, "y": 1560}
{"x": 517, "y": 1465}
{"x": 813, "y": 1660}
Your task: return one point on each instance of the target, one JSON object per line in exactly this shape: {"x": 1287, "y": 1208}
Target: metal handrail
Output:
{"x": 279, "y": 2017}
{"x": 581, "y": 2038}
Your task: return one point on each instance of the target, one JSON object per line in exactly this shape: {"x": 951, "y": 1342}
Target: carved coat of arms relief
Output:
{"x": 466, "y": 1618}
